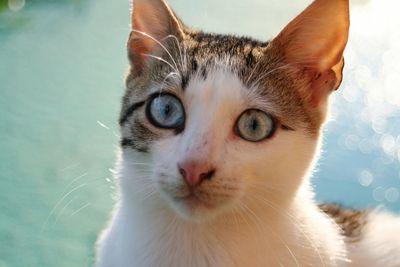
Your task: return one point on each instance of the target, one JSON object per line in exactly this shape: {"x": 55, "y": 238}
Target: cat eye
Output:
{"x": 255, "y": 125}
{"x": 166, "y": 111}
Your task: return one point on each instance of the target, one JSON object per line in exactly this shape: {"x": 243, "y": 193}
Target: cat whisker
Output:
{"x": 71, "y": 200}
{"x": 238, "y": 218}
{"x": 141, "y": 180}
{"x": 72, "y": 166}
{"x": 288, "y": 65}
{"x": 172, "y": 224}
{"x": 145, "y": 187}
{"x": 178, "y": 46}
{"x": 166, "y": 78}
{"x": 258, "y": 221}
{"x": 244, "y": 208}
{"x": 144, "y": 176}
{"x": 278, "y": 236}
{"x": 59, "y": 203}
{"x": 80, "y": 209}
{"x": 162, "y": 60}
{"x": 295, "y": 222}
{"x": 141, "y": 171}
{"x": 280, "y": 188}
{"x": 234, "y": 213}
{"x": 282, "y": 211}
{"x": 265, "y": 75}
{"x": 253, "y": 72}
{"x": 185, "y": 57}
{"x": 63, "y": 209}
{"x": 141, "y": 163}
{"x": 160, "y": 44}
{"x": 149, "y": 194}
{"x": 296, "y": 261}
{"x": 76, "y": 179}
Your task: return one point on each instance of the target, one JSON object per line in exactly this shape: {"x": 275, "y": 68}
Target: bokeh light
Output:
{"x": 16, "y": 5}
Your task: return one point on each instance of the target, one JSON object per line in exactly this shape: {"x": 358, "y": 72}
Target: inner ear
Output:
{"x": 153, "y": 21}
{"x": 314, "y": 42}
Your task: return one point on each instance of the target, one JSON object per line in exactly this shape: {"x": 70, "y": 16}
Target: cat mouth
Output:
{"x": 192, "y": 201}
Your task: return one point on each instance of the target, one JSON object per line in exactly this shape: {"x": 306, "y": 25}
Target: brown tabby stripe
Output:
{"x": 352, "y": 222}
{"x": 125, "y": 116}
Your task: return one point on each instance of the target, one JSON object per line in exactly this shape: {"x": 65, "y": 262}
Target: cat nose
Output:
{"x": 195, "y": 172}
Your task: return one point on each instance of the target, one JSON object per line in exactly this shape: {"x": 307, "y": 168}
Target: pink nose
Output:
{"x": 195, "y": 172}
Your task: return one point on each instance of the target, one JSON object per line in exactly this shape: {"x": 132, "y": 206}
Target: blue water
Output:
{"x": 61, "y": 79}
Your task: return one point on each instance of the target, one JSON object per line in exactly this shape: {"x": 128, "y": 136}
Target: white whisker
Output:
{"x": 166, "y": 78}
{"x": 80, "y": 209}
{"x": 162, "y": 60}
{"x": 178, "y": 46}
{"x": 291, "y": 218}
{"x": 63, "y": 209}
{"x": 160, "y": 44}
{"x": 58, "y": 203}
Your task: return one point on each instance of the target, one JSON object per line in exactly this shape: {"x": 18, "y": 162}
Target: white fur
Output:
{"x": 268, "y": 219}
{"x": 380, "y": 245}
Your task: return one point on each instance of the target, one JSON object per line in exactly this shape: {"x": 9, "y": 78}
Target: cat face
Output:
{"x": 221, "y": 121}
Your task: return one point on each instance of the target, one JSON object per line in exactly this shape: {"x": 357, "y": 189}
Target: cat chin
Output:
{"x": 194, "y": 210}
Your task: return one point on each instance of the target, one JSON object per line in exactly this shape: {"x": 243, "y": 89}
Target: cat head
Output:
{"x": 213, "y": 122}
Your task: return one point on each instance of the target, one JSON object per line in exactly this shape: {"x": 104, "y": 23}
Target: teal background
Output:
{"x": 62, "y": 65}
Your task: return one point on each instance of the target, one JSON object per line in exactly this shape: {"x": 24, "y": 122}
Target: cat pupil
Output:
{"x": 254, "y": 124}
{"x": 167, "y": 110}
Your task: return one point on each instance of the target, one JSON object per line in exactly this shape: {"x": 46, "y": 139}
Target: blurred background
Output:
{"x": 62, "y": 64}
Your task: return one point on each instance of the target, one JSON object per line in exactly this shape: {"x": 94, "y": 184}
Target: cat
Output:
{"x": 219, "y": 135}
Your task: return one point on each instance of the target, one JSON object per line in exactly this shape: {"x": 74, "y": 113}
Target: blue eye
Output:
{"x": 166, "y": 111}
{"x": 255, "y": 125}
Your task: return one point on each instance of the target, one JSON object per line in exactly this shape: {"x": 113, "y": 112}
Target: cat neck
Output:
{"x": 262, "y": 233}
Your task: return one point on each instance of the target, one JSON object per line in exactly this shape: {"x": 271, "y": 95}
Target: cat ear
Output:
{"x": 152, "y": 22}
{"x": 315, "y": 41}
